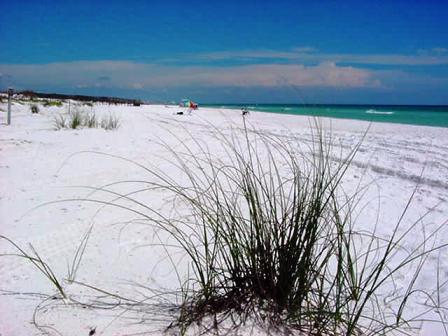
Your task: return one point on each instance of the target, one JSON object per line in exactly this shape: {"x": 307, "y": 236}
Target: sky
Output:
{"x": 327, "y": 52}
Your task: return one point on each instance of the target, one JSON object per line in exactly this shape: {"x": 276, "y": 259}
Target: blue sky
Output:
{"x": 390, "y": 52}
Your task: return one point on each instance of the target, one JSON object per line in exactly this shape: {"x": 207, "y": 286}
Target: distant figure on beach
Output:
{"x": 188, "y": 112}
{"x": 244, "y": 111}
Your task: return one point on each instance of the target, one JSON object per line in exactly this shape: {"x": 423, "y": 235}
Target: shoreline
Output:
{"x": 338, "y": 121}
{"x": 375, "y": 115}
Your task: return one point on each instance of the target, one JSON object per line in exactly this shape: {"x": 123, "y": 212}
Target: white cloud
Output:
{"x": 435, "y": 56}
{"x": 137, "y": 86}
{"x": 434, "y": 51}
{"x": 133, "y": 75}
{"x": 275, "y": 75}
{"x": 440, "y": 50}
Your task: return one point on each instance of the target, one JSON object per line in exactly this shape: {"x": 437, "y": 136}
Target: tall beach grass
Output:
{"x": 78, "y": 118}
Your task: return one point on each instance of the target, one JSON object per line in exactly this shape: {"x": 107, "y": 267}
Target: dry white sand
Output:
{"x": 38, "y": 165}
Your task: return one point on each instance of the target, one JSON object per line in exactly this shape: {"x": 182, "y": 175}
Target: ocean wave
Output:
{"x": 379, "y": 112}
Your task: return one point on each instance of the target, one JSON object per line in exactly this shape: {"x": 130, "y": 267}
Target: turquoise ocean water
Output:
{"x": 403, "y": 114}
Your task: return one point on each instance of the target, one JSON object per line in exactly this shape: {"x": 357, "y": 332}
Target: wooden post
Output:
{"x": 10, "y": 92}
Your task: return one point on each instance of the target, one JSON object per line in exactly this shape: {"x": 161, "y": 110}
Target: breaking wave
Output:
{"x": 379, "y": 112}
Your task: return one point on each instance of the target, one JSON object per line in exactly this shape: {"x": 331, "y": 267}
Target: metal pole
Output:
{"x": 9, "y": 106}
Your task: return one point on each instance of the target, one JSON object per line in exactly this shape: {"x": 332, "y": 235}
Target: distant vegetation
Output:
{"x": 82, "y": 98}
{"x": 52, "y": 103}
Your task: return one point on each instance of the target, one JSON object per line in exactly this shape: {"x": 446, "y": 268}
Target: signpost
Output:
{"x": 10, "y": 92}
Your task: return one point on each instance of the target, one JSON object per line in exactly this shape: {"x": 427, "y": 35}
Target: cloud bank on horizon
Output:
{"x": 199, "y": 58}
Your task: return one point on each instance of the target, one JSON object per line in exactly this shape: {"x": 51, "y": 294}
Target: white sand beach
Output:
{"x": 39, "y": 164}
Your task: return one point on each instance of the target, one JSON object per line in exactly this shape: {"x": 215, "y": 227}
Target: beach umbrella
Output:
{"x": 188, "y": 103}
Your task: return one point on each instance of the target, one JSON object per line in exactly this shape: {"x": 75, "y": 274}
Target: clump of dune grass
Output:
{"x": 75, "y": 119}
{"x": 78, "y": 118}
{"x": 110, "y": 122}
{"x": 59, "y": 121}
{"x": 266, "y": 235}
{"x": 90, "y": 120}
